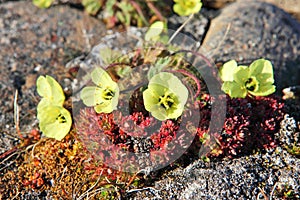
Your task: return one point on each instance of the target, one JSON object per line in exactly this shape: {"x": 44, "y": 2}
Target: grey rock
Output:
{"x": 289, "y": 134}
{"x": 195, "y": 28}
{"x": 249, "y": 30}
{"x": 291, "y": 6}
{"x": 244, "y": 178}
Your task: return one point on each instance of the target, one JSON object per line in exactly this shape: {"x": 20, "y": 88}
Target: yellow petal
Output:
{"x": 227, "y": 70}
{"x": 91, "y": 95}
{"x": 264, "y": 90}
{"x": 241, "y": 75}
{"x": 55, "y": 122}
{"x": 50, "y": 89}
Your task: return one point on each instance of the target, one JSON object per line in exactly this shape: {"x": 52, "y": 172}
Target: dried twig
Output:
{"x": 273, "y": 190}
{"x": 16, "y": 114}
{"x": 86, "y": 192}
{"x": 180, "y": 28}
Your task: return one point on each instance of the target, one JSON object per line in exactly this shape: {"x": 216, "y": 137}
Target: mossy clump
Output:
{"x": 250, "y": 125}
{"x": 61, "y": 169}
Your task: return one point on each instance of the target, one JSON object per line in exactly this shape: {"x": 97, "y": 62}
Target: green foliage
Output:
{"x": 123, "y": 12}
{"x": 158, "y": 66}
{"x": 165, "y": 96}
{"x": 187, "y": 7}
{"x": 123, "y": 71}
{"x": 295, "y": 150}
{"x": 154, "y": 31}
{"x": 54, "y": 120}
{"x": 42, "y": 3}
{"x": 92, "y": 6}
{"x": 240, "y": 81}
{"x": 108, "y": 55}
{"x": 104, "y": 96}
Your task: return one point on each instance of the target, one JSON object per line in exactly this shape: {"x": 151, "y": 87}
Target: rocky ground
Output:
{"x": 35, "y": 42}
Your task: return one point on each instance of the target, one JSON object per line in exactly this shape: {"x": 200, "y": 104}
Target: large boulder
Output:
{"x": 290, "y": 6}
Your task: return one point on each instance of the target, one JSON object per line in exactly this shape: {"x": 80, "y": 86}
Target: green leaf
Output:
{"x": 165, "y": 96}
{"x": 108, "y": 55}
{"x": 154, "y": 31}
{"x": 42, "y": 3}
{"x": 124, "y": 71}
{"x": 158, "y": 66}
{"x": 92, "y": 6}
{"x": 54, "y": 121}
{"x": 125, "y": 15}
{"x": 109, "y": 7}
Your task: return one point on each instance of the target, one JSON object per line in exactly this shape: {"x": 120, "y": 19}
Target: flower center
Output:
{"x": 252, "y": 84}
{"x": 60, "y": 118}
{"x": 108, "y": 94}
{"x": 166, "y": 101}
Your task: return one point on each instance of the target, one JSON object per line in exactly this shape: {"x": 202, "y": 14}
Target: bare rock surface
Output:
{"x": 197, "y": 31}
{"x": 36, "y": 42}
{"x": 290, "y": 6}
{"x": 248, "y": 30}
{"x": 253, "y": 177}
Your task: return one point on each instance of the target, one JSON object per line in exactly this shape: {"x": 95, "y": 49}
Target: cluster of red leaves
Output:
{"x": 165, "y": 135}
{"x": 37, "y": 180}
{"x": 250, "y": 124}
{"x": 113, "y": 138}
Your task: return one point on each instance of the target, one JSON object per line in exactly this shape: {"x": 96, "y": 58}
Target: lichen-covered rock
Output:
{"x": 248, "y": 30}
{"x": 250, "y": 177}
{"x": 289, "y": 133}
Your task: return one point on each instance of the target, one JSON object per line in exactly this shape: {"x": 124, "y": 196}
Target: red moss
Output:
{"x": 250, "y": 124}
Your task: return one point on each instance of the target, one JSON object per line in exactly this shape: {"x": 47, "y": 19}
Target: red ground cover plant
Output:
{"x": 250, "y": 125}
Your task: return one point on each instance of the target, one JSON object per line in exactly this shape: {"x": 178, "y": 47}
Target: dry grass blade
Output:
{"x": 16, "y": 114}
{"x": 87, "y": 192}
{"x": 180, "y": 28}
